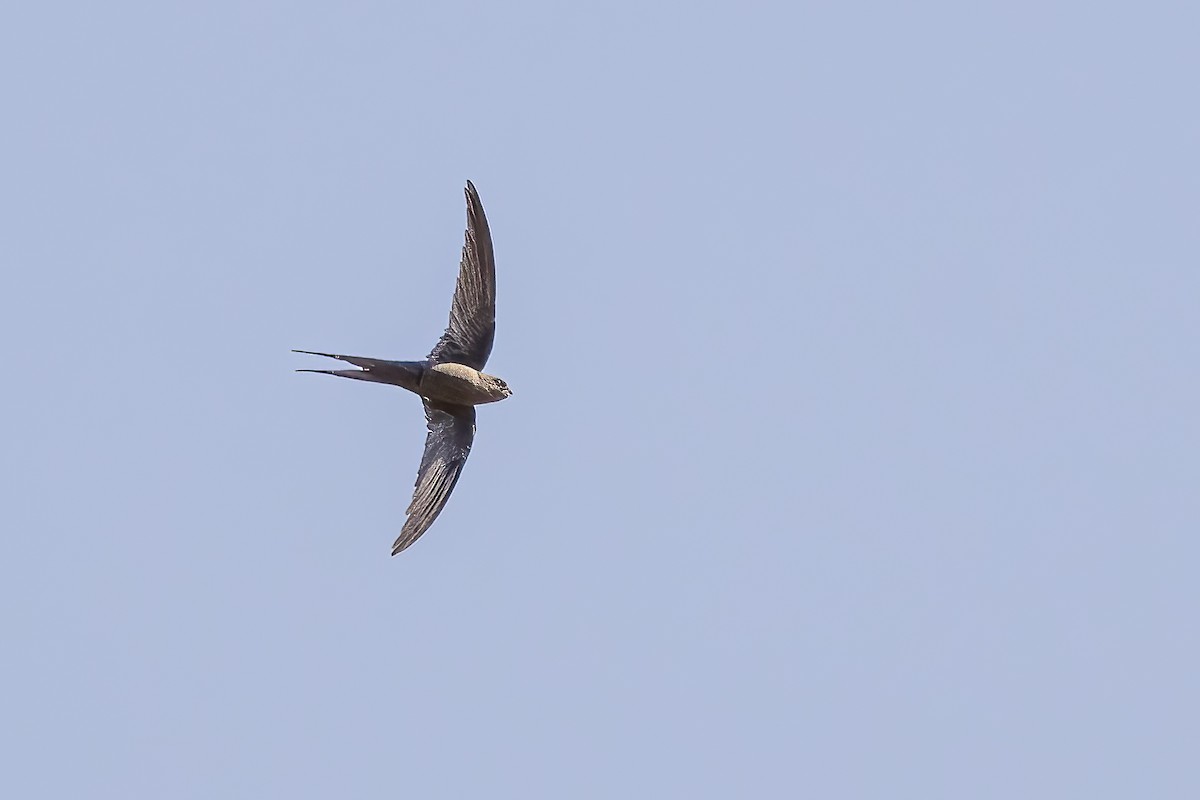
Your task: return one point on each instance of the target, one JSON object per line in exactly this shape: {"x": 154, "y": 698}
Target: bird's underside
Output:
{"x": 449, "y": 380}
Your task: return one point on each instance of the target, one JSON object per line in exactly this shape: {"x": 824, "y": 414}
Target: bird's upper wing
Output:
{"x": 451, "y": 431}
{"x": 468, "y": 337}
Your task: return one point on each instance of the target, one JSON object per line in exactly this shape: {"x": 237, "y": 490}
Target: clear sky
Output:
{"x": 854, "y": 449}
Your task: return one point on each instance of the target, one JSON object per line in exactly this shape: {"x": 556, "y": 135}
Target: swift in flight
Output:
{"x": 449, "y": 380}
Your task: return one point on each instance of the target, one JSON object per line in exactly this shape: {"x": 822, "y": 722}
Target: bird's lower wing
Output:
{"x": 451, "y": 432}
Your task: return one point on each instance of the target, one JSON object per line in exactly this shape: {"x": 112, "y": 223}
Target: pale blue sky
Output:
{"x": 854, "y": 449}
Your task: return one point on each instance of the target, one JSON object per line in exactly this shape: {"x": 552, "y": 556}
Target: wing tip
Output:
{"x": 403, "y": 542}
{"x": 472, "y": 195}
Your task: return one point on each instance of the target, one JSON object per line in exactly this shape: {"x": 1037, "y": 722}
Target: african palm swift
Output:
{"x": 449, "y": 380}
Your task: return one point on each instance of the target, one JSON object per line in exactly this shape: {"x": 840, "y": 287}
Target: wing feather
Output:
{"x": 451, "y": 432}
{"x": 468, "y": 338}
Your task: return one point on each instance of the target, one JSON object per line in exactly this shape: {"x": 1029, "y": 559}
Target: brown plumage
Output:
{"x": 449, "y": 380}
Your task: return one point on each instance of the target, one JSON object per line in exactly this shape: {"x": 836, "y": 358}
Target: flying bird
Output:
{"x": 449, "y": 380}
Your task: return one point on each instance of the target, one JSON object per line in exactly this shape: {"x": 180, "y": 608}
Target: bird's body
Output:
{"x": 449, "y": 381}
{"x": 458, "y": 383}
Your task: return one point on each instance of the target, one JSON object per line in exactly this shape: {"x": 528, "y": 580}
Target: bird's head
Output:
{"x": 497, "y": 388}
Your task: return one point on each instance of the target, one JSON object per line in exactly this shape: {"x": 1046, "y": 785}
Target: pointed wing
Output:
{"x": 451, "y": 431}
{"x": 468, "y": 337}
